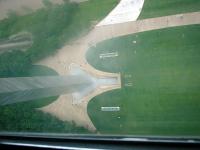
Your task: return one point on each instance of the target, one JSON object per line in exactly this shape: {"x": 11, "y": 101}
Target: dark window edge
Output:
{"x": 66, "y": 141}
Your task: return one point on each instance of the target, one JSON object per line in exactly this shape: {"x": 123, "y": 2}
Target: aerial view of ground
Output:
{"x": 160, "y": 83}
{"x": 142, "y": 57}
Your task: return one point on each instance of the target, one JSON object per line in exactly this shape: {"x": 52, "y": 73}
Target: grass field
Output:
{"x": 163, "y": 66}
{"x": 157, "y": 8}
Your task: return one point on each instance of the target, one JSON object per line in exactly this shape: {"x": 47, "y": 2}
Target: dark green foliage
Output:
{"x": 51, "y": 27}
{"x": 25, "y": 117}
{"x": 47, "y": 3}
{"x": 14, "y": 64}
{"x": 46, "y": 25}
{"x": 22, "y": 118}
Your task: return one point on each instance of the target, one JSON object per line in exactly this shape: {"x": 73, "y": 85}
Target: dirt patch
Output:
{"x": 65, "y": 110}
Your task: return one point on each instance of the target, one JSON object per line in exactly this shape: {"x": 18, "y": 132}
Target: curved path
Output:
{"x": 101, "y": 33}
{"x": 63, "y": 108}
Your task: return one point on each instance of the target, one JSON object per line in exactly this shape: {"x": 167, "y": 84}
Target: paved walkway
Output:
{"x": 101, "y": 33}
{"x": 75, "y": 53}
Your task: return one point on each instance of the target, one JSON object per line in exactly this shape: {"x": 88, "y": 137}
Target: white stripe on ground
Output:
{"x": 125, "y": 11}
{"x": 101, "y": 33}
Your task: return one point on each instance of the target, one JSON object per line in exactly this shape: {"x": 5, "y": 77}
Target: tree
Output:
{"x": 47, "y": 3}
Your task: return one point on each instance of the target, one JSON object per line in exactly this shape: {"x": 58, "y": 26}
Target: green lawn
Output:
{"x": 157, "y": 8}
{"x": 163, "y": 66}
